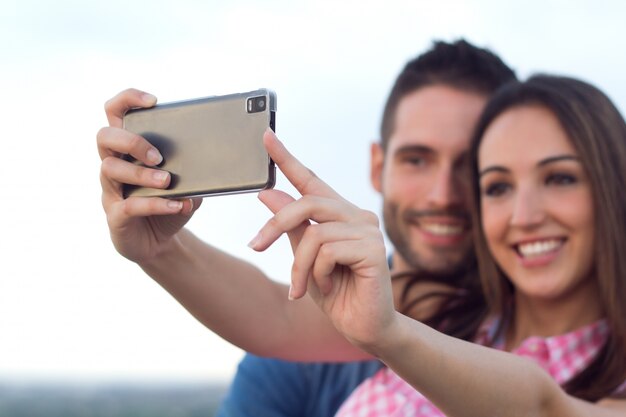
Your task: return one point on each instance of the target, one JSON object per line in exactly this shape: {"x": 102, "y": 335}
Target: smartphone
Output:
{"x": 210, "y": 146}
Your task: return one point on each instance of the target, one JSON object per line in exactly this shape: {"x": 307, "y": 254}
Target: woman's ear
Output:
{"x": 377, "y": 162}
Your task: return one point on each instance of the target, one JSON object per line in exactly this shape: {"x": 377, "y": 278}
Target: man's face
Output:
{"x": 423, "y": 180}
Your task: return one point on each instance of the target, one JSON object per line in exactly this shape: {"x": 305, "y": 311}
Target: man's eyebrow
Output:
{"x": 414, "y": 148}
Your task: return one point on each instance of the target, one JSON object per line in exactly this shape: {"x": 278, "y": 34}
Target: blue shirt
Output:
{"x": 266, "y": 387}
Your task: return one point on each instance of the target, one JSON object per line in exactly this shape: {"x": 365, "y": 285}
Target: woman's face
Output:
{"x": 536, "y": 203}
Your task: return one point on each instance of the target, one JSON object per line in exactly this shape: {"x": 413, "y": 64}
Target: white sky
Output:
{"x": 70, "y": 306}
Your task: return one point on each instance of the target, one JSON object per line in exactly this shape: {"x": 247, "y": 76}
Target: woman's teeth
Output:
{"x": 538, "y": 248}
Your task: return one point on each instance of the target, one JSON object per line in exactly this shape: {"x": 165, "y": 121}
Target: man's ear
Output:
{"x": 377, "y": 163}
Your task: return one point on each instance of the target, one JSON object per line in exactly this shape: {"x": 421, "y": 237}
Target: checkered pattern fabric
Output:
{"x": 563, "y": 356}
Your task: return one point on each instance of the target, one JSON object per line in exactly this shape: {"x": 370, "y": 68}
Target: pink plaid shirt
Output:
{"x": 563, "y": 356}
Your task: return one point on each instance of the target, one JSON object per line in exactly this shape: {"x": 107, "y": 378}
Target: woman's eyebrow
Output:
{"x": 543, "y": 162}
{"x": 557, "y": 158}
{"x": 495, "y": 168}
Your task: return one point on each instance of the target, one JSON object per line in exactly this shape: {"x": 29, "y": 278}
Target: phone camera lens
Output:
{"x": 256, "y": 104}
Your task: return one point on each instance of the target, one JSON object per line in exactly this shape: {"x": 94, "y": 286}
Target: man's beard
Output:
{"x": 445, "y": 262}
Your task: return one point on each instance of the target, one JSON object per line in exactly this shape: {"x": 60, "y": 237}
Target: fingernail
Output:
{"x": 149, "y": 98}
{"x": 252, "y": 244}
{"x": 271, "y": 132}
{"x": 174, "y": 204}
{"x": 154, "y": 156}
{"x": 290, "y": 296}
{"x": 160, "y": 176}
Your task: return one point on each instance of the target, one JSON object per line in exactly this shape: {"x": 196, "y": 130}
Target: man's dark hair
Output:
{"x": 459, "y": 64}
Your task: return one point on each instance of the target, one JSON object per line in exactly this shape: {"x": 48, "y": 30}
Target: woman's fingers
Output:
{"x": 275, "y": 200}
{"x": 125, "y": 172}
{"x": 315, "y": 256}
{"x": 305, "y": 181}
{"x": 192, "y": 206}
{"x": 122, "y": 210}
{"x": 363, "y": 255}
{"x": 309, "y": 250}
{"x": 115, "y": 171}
{"x": 292, "y": 216}
{"x": 342, "y": 228}
{"x": 117, "y": 107}
{"x": 113, "y": 141}
{"x": 305, "y": 209}
{"x": 335, "y": 262}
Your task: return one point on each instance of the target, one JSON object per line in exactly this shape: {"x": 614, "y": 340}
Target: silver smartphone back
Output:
{"x": 210, "y": 146}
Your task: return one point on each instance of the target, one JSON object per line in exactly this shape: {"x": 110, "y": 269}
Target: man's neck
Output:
{"x": 398, "y": 265}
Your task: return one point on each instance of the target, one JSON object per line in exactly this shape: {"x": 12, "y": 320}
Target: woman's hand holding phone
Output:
{"x": 141, "y": 227}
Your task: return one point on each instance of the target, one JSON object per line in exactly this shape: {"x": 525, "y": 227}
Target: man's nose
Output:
{"x": 446, "y": 189}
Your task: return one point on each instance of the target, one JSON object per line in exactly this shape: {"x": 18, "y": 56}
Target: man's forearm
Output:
{"x": 228, "y": 295}
{"x": 239, "y": 302}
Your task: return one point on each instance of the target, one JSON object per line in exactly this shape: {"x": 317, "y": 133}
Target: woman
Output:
{"x": 548, "y": 158}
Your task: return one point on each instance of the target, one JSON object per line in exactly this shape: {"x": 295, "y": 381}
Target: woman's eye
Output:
{"x": 496, "y": 189}
{"x": 561, "y": 179}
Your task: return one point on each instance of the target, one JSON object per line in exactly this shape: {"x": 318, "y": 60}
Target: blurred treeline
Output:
{"x": 112, "y": 400}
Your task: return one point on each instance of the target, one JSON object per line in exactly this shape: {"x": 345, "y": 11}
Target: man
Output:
{"x": 426, "y": 128}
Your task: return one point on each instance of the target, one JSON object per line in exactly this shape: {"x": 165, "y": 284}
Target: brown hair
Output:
{"x": 598, "y": 132}
{"x": 458, "y": 64}
{"x": 460, "y": 309}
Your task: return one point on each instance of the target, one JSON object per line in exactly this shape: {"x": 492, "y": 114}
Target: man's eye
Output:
{"x": 414, "y": 160}
{"x": 496, "y": 189}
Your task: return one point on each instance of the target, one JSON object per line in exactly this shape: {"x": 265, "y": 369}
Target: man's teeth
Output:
{"x": 538, "y": 248}
{"x": 443, "y": 229}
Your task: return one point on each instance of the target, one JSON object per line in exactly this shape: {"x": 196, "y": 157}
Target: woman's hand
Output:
{"x": 339, "y": 259}
{"x": 140, "y": 227}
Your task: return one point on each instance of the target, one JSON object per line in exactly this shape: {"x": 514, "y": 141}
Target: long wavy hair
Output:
{"x": 597, "y": 131}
